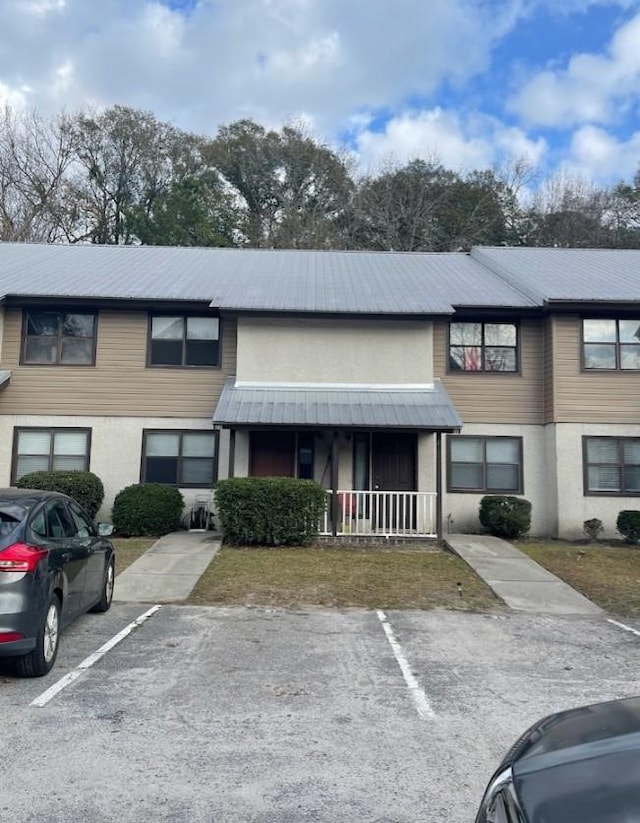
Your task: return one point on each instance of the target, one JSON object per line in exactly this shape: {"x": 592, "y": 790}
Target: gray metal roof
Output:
{"x": 274, "y": 404}
{"x": 5, "y": 376}
{"x": 257, "y": 279}
{"x": 549, "y": 274}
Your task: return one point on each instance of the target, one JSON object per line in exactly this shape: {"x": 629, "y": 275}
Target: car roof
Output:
{"x": 31, "y": 494}
{"x": 578, "y": 733}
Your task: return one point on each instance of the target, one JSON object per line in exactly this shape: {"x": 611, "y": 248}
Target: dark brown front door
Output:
{"x": 272, "y": 454}
{"x": 393, "y": 461}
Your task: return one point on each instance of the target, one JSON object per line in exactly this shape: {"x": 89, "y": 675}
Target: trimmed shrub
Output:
{"x": 269, "y": 511}
{"x": 628, "y": 524}
{"x": 85, "y": 487}
{"x": 505, "y": 515}
{"x": 592, "y": 528}
{"x": 147, "y": 509}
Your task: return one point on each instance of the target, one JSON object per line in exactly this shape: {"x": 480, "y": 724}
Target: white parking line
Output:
{"x": 81, "y": 668}
{"x": 623, "y": 626}
{"x": 422, "y": 704}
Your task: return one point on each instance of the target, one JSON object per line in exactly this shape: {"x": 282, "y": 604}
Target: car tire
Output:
{"x": 40, "y": 661}
{"x": 104, "y": 604}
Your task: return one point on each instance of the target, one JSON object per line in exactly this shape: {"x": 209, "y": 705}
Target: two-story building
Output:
{"x": 409, "y": 385}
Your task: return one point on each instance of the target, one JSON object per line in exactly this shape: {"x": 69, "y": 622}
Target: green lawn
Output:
{"x": 403, "y": 577}
{"x": 607, "y": 574}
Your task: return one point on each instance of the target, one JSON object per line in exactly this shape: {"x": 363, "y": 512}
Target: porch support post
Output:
{"x": 232, "y": 453}
{"x": 439, "y": 485}
{"x": 335, "y": 456}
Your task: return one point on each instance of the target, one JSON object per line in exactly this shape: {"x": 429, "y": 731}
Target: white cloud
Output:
{"x": 599, "y": 155}
{"x": 463, "y": 144}
{"x": 14, "y": 98}
{"x": 593, "y": 88}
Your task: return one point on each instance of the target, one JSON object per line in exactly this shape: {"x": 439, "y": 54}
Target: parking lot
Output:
{"x": 271, "y": 716}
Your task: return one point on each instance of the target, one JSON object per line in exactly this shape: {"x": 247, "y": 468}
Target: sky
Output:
{"x": 473, "y": 83}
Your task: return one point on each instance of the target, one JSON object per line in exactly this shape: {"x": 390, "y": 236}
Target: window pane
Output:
{"x": 632, "y": 479}
{"x": 163, "y": 444}
{"x": 499, "y": 334}
{"x": 631, "y": 451}
{"x": 603, "y": 478}
{"x": 466, "y": 450}
{"x": 25, "y": 465}
{"x": 202, "y": 353}
{"x": 70, "y": 443}
{"x": 466, "y": 476}
{"x": 503, "y": 450}
{"x": 467, "y": 358}
{"x": 78, "y": 325}
{"x": 34, "y": 442}
{"x": 198, "y": 445}
{"x": 603, "y": 450}
{"x": 502, "y": 478}
{"x": 629, "y": 357}
{"x": 166, "y": 353}
{"x": 41, "y": 350}
{"x": 599, "y": 331}
{"x": 599, "y": 356}
{"x": 629, "y": 331}
{"x": 465, "y": 334}
{"x": 198, "y": 472}
{"x": 42, "y": 322}
{"x": 496, "y": 359}
{"x": 167, "y": 328}
{"x": 162, "y": 470}
{"x": 77, "y": 350}
{"x": 69, "y": 464}
{"x": 202, "y": 328}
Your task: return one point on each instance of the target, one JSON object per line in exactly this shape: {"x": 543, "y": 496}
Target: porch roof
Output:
{"x": 422, "y": 406}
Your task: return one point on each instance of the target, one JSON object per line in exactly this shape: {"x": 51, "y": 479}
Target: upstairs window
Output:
{"x": 181, "y": 341}
{"x": 483, "y": 347}
{"x": 59, "y": 338}
{"x": 611, "y": 345}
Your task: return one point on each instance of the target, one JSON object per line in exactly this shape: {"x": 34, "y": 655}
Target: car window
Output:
{"x": 83, "y": 525}
{"x": 57, "y": 521}
{"x": 38, "y": 524}
{"x": 8, "y": 520}
{"x": 498, "y": 811}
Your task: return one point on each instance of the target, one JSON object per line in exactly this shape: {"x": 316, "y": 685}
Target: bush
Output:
{"x": 628, "y": 524}
{"x": 147, "y": 509}
{"x": 85, "y": 487}
{"x": 269, "y": 511}
{"x": 505, "y": 515}
{"x": 592, "y": 528}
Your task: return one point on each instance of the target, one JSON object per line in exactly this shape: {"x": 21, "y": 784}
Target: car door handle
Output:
{"x": 67, "y": 556}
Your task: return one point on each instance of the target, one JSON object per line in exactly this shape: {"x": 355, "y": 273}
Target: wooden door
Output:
{"x": 393, "y": 461}
{"x": 272, "y": 454}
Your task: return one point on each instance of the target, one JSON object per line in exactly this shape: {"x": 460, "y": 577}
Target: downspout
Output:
{"x": 335, "y": 456}
{"x": 439, "y": 485}
{"x": 232, "y": 453}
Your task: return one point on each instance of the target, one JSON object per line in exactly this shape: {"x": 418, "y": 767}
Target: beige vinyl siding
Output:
{"x": 549, "y": 396}
{"x": 497, "y": 398}
{"x": 119, "y": 384}
{"x": 589, "y": 396}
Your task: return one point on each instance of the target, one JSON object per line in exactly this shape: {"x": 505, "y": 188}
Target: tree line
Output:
{"x": 123, "y": 176}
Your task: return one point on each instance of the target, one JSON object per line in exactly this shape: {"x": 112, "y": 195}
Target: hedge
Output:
{"x": 269, "y": 511}
{"x": 85, "y": 487}
{"x": 147, "y": 509}
{"x": 505, "y": 515}
{"x": 628, "y": 524}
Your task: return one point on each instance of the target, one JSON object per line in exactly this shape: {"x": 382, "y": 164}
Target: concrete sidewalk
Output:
{"x": 524, "y": 585}
{"x": 169, "y": 570}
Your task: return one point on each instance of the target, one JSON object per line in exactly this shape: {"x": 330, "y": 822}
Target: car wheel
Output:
{"x": 40, "y": 661}
{"x": 107, "y": 589}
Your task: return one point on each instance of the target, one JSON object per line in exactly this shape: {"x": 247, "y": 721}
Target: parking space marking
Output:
{"x": 623, "y": 626}
{"x": 417, "y": 693}
{"x": 82, "y": 667}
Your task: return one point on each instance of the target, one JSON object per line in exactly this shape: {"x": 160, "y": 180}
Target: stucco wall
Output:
{"x": 314, "y": 350}
{"x": 116, "y": 448}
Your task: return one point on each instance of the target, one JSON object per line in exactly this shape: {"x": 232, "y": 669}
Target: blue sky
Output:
{"x": 474, "y": 83}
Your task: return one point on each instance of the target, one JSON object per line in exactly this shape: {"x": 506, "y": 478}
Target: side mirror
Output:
{"x": 105, "y": 529}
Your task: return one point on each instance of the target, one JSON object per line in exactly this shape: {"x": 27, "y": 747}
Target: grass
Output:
{"x": 607, "y": 574}
{"x": 407, "y": 577}
{"x": 129, "y": 549}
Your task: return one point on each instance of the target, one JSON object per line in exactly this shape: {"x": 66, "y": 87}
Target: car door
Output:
{"x": 54, "y": 530}
{"x": 97, "y": 551}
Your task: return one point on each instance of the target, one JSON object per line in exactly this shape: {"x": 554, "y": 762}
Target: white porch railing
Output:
{"x": 382, "y": 514}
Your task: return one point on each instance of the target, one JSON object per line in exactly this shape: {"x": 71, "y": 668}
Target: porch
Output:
{"x": 387, "y": 514}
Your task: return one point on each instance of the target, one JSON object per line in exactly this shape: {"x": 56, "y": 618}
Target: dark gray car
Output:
{"x": 55, "y": 564}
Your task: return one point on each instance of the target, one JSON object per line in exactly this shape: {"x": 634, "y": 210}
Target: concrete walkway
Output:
{"x": 523, "y": 584}
{"x": 169, "y": 570}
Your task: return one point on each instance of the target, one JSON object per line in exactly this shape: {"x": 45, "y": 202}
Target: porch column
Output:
{"x": 232, "y": 453}
{"x": 335, "y": 457}
{"x": 439, "y": 485}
